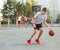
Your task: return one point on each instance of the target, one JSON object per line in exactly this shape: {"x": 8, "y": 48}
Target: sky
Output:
{"x": 1, "y": 4}
{"x": 44, "y": 3}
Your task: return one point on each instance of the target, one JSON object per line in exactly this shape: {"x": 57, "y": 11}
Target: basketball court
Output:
{"x": 14, "y": 38}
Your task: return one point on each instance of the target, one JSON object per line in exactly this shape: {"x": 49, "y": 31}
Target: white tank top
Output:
{"x": 38, "y": 18}
{"x": 19, "y": 18}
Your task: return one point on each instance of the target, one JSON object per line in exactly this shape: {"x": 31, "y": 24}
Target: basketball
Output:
{"x": 25, "y": 18}
{"x": 51, "y": 33}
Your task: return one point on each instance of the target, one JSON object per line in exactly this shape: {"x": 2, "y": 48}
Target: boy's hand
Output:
{"x": 52, "y": 29}
{"x": 34, "y": 26}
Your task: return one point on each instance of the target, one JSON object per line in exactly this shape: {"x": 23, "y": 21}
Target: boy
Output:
{"x": 38, "y": 19}
{"x": 19, "y": 19}
{"x": 26, "y": 21}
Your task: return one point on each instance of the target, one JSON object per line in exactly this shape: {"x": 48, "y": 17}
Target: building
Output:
{"x": 54, "y": 8}
{"x": 52, "y": 5}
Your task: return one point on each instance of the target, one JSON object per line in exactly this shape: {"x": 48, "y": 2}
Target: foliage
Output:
{"x": 9, "y": 9}
{"x": 12, "y": 10}
{"x": 58, "y": 18}
{"x": 49, "y": 17}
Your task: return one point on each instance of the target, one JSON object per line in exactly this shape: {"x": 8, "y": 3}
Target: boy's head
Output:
{"x": 44, "y": 10}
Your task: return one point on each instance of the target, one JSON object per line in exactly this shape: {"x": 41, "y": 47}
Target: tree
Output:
{"x": 28, "y": 10}
{"x": 9, "y": 10}
{"x": 58, "y": 18}
{"x": 49, "y": 17}
{"x": 12, "y": 10}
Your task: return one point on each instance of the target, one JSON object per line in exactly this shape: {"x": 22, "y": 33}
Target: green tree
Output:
{"x": 12, "y": 10}
{"x": 28, "y": 8}
{"x": 58, "y": 18}
{"x": 49, "y": 17}
{"x": 9, "y": 10}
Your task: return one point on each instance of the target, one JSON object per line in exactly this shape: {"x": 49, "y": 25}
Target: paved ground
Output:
{"x": 14, "y": 38}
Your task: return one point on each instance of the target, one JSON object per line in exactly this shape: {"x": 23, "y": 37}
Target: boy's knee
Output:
{"x": 41, "y": 29}
{"x": 34, "y": 30}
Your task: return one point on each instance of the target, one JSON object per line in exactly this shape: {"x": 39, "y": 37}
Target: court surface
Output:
{"x": 14, "y": 38}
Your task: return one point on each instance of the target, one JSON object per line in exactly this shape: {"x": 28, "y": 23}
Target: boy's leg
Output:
{"x": 18, "y": 23}
{"x": 26, "y": 24}
{"x": 39, "y": 35}
{"x": 29, "y": 40}
{"x": 34, "y": 32}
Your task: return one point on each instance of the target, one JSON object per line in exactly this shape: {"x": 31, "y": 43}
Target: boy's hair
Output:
{"x": 44, "y": 9}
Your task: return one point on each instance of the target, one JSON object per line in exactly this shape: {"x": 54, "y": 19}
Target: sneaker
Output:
{"x": 28, "y": 42}
{"x": 37, "y": 41}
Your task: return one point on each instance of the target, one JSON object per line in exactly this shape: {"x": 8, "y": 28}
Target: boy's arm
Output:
{"x": 47, "y": 25}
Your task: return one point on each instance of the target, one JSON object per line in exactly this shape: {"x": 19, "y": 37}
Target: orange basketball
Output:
{"x": 51, "y": 33}
{"x": 25, "y": 18}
